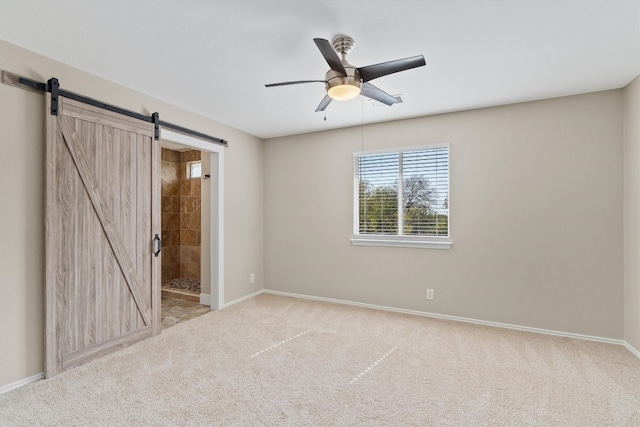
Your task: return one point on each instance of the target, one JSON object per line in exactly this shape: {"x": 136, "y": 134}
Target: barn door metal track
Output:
{"x": 53, "y": 86}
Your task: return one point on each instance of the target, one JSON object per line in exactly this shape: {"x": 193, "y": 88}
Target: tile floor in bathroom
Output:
{"x": 176, "y": 310}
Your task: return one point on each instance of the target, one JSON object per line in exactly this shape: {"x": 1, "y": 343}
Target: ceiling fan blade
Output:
{"x": 371, "y": 72}
{"x": 370, "y": 91}
{"x": 296, "y": 82}
{"x": 324, "y": 103}
{"x": 330, "y": 56}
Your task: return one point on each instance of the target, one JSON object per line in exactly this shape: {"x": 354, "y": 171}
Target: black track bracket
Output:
{"x": 54, "y": 87}
{"x": 155, "y": 118}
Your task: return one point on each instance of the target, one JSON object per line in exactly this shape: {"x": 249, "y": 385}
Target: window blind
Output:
{"x": 378, "y": 193}
{"x": 404, "y": 193}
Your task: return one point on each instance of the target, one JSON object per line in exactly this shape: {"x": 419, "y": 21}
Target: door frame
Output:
{"x": 216, "y": 219}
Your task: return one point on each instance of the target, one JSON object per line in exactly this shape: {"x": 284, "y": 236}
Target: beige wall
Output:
{"x": 21, "y": 195}
{"x": 632, "y": 214}
{"x": 536, "y": 217}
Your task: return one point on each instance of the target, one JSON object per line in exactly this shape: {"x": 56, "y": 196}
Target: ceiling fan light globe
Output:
{"x": 344, "y": 92}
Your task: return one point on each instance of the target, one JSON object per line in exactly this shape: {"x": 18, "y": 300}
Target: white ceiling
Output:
{"x": 213, "y": 57}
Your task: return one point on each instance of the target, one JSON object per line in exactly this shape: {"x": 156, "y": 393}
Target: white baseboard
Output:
{"x": 17, "y": 384}
{"x": 246, "y": 297}
{"x": 464, "y": 319}
{"x": 631, "y": 349}
{"x": 205, "y": 299}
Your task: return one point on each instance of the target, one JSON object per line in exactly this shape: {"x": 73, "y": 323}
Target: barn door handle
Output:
{"x": 158, "y": 241}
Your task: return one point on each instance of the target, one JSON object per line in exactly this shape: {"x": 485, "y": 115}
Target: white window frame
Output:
{"x": 432, "y": 242}
{"x": 190, "y": 169}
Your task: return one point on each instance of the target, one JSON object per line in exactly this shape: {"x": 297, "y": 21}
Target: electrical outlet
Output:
{"x": 252, "y": 277}
{"x": 430, "y": 294}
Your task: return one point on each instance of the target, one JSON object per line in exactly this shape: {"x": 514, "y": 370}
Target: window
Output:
{"x": 194, "y": 170}
{"x": 402, "y": 198}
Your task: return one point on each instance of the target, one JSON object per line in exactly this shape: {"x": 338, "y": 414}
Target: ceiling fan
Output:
{"x": 344, "y": 81}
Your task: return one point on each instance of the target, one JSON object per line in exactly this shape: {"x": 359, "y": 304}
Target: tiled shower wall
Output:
{"x": 170, "y": 201}
{"x": 180, "y": 216}
{"x": 189, "y": 219}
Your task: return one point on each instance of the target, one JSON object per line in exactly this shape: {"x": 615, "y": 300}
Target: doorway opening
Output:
{"x": 191, "y": 190}
{"x": 181, "y": 184}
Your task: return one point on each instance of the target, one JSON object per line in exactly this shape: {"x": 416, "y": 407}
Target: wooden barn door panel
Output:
{"x": 102, "y": 211}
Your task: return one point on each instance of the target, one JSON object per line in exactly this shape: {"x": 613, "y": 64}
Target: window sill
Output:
{"x": 401, "y": 242}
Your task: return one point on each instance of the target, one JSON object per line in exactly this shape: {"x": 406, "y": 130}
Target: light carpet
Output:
{"x": 274, "y": 360}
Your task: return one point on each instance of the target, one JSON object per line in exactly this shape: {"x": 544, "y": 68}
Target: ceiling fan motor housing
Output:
{"x": 343, "y": 88}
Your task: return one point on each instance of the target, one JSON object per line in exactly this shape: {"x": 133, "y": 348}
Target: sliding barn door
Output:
{"x": 102, "y": 213}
